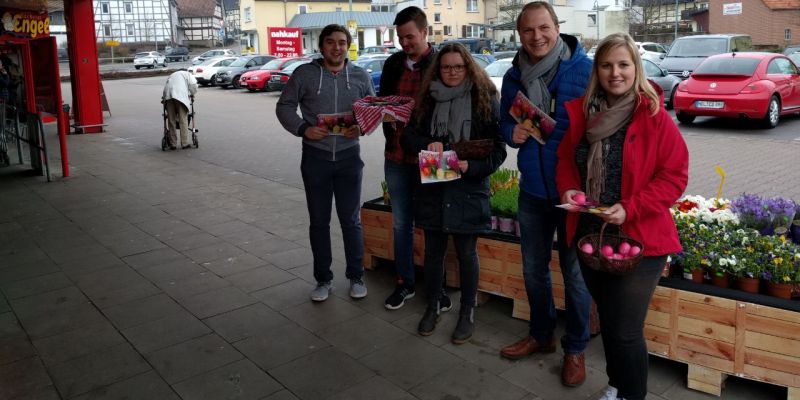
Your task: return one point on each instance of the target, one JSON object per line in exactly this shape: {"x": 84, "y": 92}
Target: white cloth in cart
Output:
{"x": 180, "y": 86}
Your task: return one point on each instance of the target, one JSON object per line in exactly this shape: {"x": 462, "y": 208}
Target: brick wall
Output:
{"x": 764, "y": 25}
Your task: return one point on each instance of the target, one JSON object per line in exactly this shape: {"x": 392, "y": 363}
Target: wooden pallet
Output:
{"x": 715, "y": 336}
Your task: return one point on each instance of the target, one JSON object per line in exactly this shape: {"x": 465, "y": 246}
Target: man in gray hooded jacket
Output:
{"x": 331, "y": 163}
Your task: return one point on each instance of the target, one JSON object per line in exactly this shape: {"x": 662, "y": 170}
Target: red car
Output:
{"x": 257, "y": 79}
{"x": 759, "y": 86}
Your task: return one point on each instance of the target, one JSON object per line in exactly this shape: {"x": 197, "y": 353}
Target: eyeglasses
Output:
{"x": 452, "y": 68}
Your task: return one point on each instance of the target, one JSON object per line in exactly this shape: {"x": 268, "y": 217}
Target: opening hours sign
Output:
{"x": 285, "y": 42}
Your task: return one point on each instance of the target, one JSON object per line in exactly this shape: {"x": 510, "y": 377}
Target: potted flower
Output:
{"x": 783, "y": 270}
{"x": 748, "y": 266}
{"x": 753, "y": 212}
{"x": 385, "y": 190}
{"x": 783, "y": 212}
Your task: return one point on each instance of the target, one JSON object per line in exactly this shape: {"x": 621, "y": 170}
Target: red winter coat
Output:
{"x": 655, "y": 170}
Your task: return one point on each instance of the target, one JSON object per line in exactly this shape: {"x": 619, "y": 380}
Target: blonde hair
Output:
{"x": 481, "y": 84}
{"x": 640, "y": 82}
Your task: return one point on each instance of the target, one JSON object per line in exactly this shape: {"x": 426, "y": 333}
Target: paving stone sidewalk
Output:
{"x": 150, "y": 275}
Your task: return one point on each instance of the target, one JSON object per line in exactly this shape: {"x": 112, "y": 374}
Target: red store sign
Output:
{"x": 285, "y": 42}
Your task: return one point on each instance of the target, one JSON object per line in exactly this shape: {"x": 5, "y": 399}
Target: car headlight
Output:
{"x": 255, "y": 78}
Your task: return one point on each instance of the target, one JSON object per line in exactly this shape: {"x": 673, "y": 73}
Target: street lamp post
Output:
{"x": 676, "y": 21}
{"x": 597, "y": 18}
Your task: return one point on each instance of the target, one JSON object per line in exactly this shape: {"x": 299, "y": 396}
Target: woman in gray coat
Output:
{"x": 458, "y": 103}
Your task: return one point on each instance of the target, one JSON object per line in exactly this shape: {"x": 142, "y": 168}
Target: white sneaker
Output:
{"x": 320, "y": 293}
{"x": 610, "y": 393}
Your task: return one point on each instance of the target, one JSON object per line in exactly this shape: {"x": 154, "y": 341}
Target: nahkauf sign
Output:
{"x": 285, "y": 42}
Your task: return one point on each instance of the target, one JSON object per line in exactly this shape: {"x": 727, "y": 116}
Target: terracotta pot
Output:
{"x": 494, "y": 222}
{"x": 694, "y": 275}
{"x": 749, "y": 285}
{"x": 781, "y": 290}
{"x": 386, "y": 198}
{"x": 720, "y": 279}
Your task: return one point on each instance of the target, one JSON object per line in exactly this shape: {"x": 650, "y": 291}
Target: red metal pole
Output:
{"x": 84, "y": 69}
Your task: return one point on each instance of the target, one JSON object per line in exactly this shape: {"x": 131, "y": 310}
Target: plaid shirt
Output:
{"x": 409, "y": 85}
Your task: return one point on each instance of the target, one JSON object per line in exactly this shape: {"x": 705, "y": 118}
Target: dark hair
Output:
{"x": 411, "y": 14}
{"x": 483, "y": 90}
{"x": 330, "y": 29}
{"x": 538, "y": 4}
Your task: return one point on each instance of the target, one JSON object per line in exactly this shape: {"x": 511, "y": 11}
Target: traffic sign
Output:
{"x": 112, "y": 43}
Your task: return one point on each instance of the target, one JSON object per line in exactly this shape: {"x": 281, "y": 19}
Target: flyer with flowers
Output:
{"x": 438, "y": 167}
{"x": 336, "y": 124}
{"x": 526, "y": 113}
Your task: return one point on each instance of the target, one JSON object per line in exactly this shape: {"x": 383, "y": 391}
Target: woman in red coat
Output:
{"x": 623, "y": 150}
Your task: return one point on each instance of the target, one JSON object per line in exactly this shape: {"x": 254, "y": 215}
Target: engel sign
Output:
{"x": 25, "y": 23}
{"x": 285, "y": 42}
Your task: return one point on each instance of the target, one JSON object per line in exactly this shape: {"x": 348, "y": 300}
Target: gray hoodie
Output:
{"x": 318, "y": 91}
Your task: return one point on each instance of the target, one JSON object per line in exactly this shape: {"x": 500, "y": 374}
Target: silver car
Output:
{"x": 668, "y": 83}
{"x": 149, "y": 59}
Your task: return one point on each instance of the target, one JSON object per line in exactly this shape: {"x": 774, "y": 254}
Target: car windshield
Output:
{"x": 728, "y": 66}
{"x": 141, "y": 55}
{"x": 295, "y": 65}
{"x": 240, "y": 62}
{"x": 698, "y": 47}
{"x": 498, "y": 68}
{"x": 209, "y": 61}
{"x": 795, "y": 58}
{"x": 274, "y": 64}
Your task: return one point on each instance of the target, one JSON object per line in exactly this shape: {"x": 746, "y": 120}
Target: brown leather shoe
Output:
{"x": 573, "y": 371}
{"x": 526, "y": 347}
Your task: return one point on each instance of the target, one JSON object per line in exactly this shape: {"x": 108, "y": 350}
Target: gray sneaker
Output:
{"x": 358, "y": 289}
{"x": 321, "y": 292}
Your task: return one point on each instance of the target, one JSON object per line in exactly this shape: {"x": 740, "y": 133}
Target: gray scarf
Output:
{"x": 453, "y": 111}
{"x": 536, "y": 77}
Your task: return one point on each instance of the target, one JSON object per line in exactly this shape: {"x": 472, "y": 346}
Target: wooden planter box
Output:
{"x": 717, "y": 332}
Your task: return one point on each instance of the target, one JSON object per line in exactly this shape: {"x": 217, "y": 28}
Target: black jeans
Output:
{"x": 467, "y": 253}
{"x": 622, "y": 303}
{"x": 325, "y": 181}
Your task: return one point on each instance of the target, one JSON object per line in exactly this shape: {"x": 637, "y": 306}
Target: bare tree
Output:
{"x": 646, "y": 18}
{"x": 508, "y": 11}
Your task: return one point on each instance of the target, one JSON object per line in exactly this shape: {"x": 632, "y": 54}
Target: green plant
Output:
{"x": 503, "y": 203}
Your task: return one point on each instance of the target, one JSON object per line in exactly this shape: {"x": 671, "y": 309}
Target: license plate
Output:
{"x": 709, "y": 104}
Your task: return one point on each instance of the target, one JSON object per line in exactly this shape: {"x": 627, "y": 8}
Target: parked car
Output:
{"x": 795, "y": 48}
{"x": 279, "y": 79}
{"x": 499, "y": 55}
{"x": 497, "y": 70}
{"x": 257, "y": 79}
{"x": 229, "y": 76}
{"x": 668, "y": 83}
{"x": 483, "y": 59}
{"x": 206, "y": 72}
{"x": 374, "y": 67}
{"x": 474, "y": 45}
{"x": 688, "y": 52}
{"x": 63, "y": 54}
{"x": 377, "y": 50}
{"x": 212, "y": 54}
{"x": 651, "y": 51}
{"x": 179, "y": 53}
{"x": 795, "y": 57}
{"x": 591, "y": 52}
{"x": 760, "y": 86}
{"x": 149, "y": 59}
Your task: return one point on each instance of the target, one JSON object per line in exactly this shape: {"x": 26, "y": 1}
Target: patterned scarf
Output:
{"x": 602, "y": 122}
{"x": 453, "y": 111}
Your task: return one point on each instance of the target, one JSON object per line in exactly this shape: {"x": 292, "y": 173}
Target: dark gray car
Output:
{"x": 668, "y": 83}
{"x": 227, "y": 76}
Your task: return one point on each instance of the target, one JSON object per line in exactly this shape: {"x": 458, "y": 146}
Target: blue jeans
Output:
{"x": 402, "y": 179}
{"x": 539, "y": 219}
{"x": 325, "y": 180}
{"x": 622, "y": 303}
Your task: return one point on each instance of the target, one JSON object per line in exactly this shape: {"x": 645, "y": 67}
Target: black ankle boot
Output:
{"x": 428, "y": 322}
{"x": 465, "y": 326}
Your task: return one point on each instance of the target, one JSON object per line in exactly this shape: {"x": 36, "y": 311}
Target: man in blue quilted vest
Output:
{"x": 551, "y": 68}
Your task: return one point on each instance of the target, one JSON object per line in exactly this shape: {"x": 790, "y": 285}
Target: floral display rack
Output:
{"x": 716, "y": 331}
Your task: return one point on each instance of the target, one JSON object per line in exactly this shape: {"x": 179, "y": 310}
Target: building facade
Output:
{"x": 136, "y": 21}
{"x": 200, "y": 22}
{"x": 771, "y": 23}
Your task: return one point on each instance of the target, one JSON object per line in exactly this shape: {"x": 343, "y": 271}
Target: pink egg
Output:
{"x": 635, "y": 250}
{"x": 624, "y": 248}
{"x": 607, "y": 251}
{"x": 617, "y": 256}
{"x": 579, "y": 198}
{"x": 587, "y": 248}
